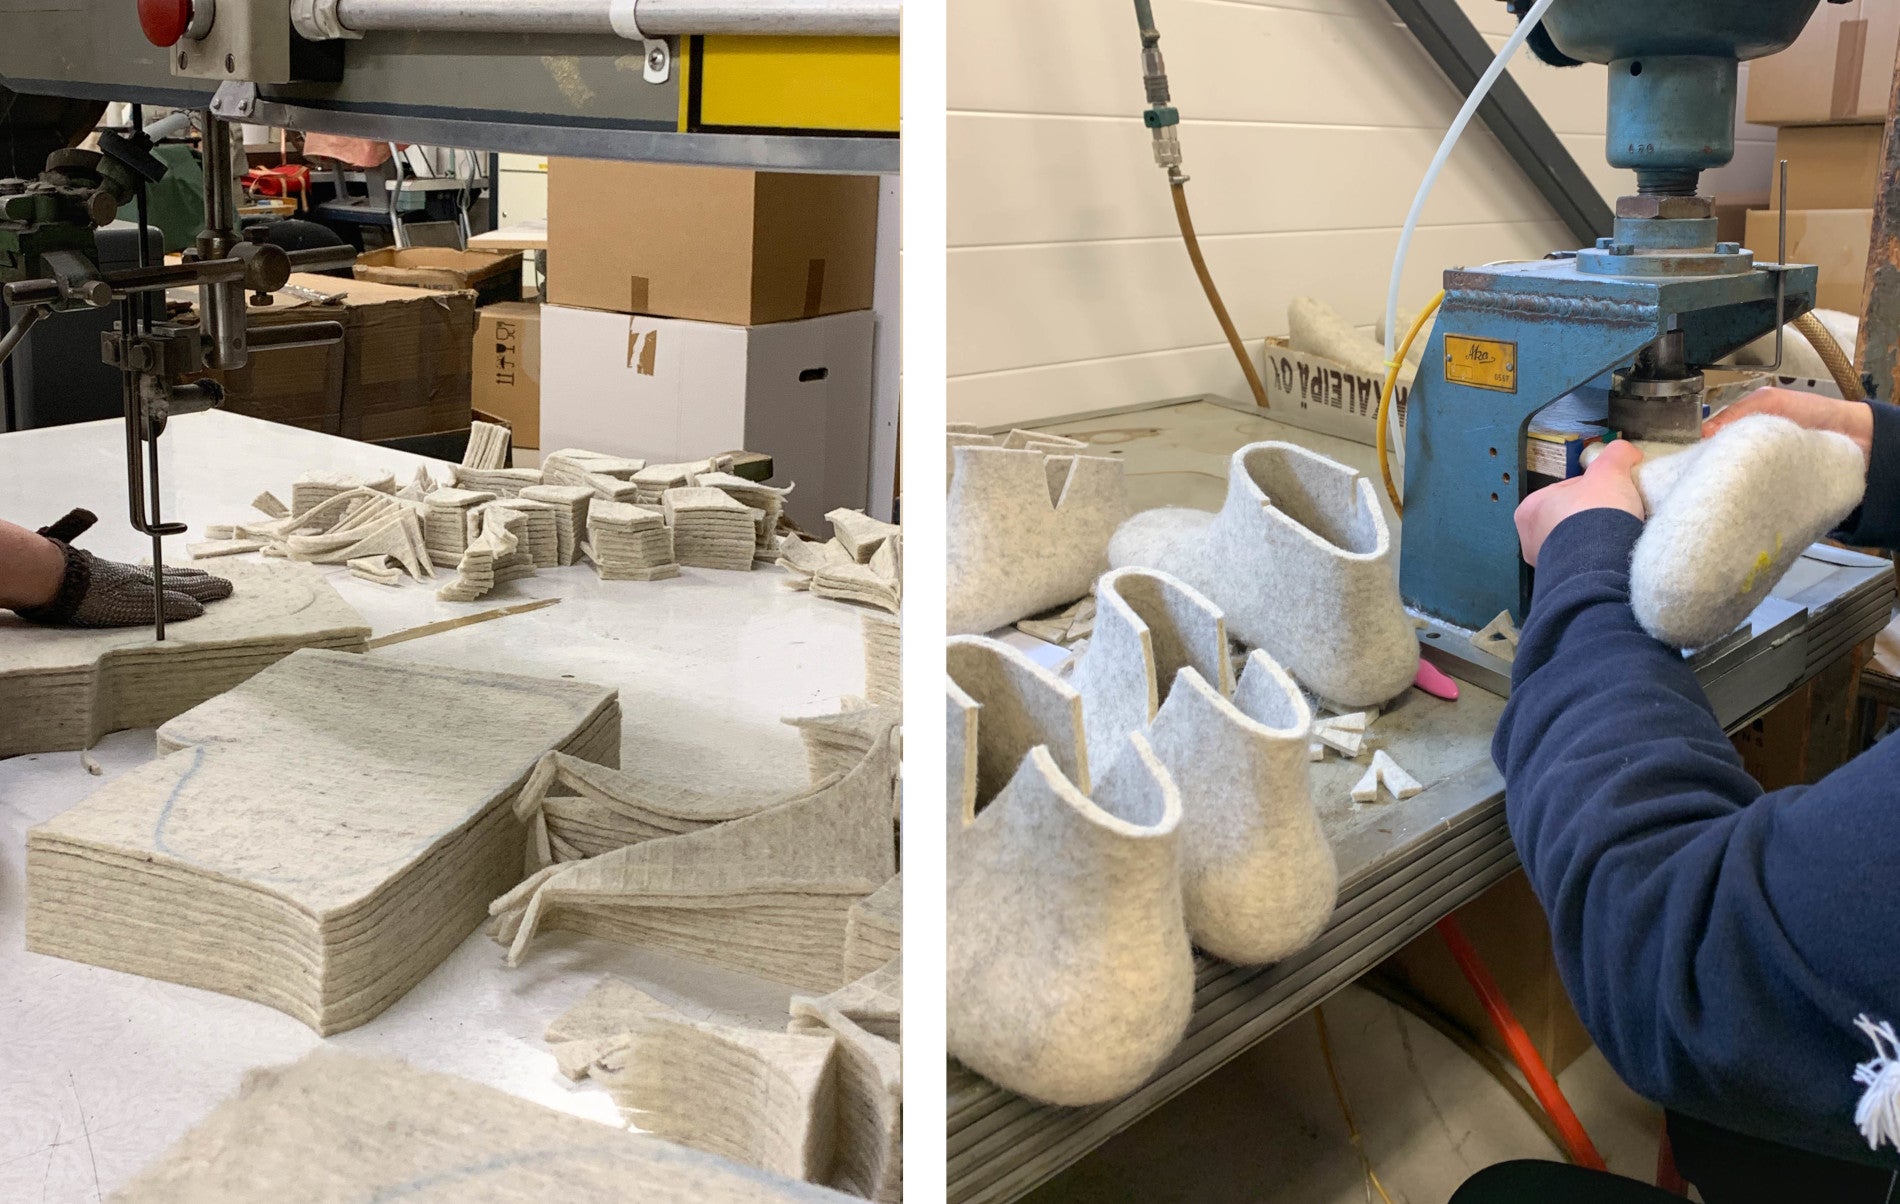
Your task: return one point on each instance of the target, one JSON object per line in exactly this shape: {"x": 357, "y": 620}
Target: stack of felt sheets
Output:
{"x": 766, "y": 502}
{"x": 503, "y": 482}
{"x": 64, "y": 687}
{"x": 570, "y": 503}
{"x": 602, "y": 474}
{"x": 711, "y": 528}
{"x": 629, "y": 543}
{"x": 314, "y": 488}
{"x": 489, "y": 445}
{"x": 517, "y": 561}
{"x": 540, "y": 532}
{"x": 317, "y": 839}
{"x": 883, "y": 658}
{"x": 769, "y": 893}
{"x": 819, "y": 1100}
{"x": 445, "y": 521}
{"x": 336, "y": 1127}
{"x": 874, "y": 931}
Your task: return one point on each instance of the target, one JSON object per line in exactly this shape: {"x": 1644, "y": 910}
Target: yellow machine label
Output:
{"x": 1481, "y": 363}
{"x": 789, "y": 83}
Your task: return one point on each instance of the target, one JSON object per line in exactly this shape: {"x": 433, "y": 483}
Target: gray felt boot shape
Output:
{"x": 1071, "y": 977}
{"x": 1301, "y": 562}
{"x": 1257, "y": 872}
{"x": 1027, "y": 532}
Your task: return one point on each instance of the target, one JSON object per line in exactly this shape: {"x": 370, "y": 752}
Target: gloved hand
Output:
{"x": 105, "y": 593}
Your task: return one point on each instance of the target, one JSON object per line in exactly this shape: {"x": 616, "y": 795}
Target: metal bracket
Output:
{"x": 659, "y": 61}
{"x": 235, "y": 100}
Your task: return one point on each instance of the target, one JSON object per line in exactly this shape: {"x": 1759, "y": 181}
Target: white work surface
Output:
{"x": 100, "y": 1071}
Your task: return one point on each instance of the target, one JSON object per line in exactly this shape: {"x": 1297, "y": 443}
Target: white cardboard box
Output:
{"x": 668, "y": 389}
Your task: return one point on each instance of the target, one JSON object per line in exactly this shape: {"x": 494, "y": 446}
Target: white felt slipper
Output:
{"x": 1027, "y": 532}
{"x": 1070, "y": 970}
{"x": 1729, "y": 516}
{"x": 1301, "y": 562}
{"x": 1257, "y": 873}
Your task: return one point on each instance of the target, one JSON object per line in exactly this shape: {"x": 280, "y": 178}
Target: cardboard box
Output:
{"x": 667, "y": 389}
{"x": 1323, "y": 395}
{"x": 507, "y": 368}
{"x": 713, "y": 244}
{"x": 1506, "y": 925}
{"x": 493, "y": 276}
{"x": 1829, "y": 166}
{"x": 1839, "y": 70}
{"x": 406, "y": 354}
{"x": 297, "y": 386}
{"x": 1731, "y": 214}
{"x": 1835, "y": 240}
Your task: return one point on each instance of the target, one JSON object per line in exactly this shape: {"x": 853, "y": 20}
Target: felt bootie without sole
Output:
{"x": 1301, "y": 562}
{"x": 1070, "y": 973}
{"x": 1028, "y": 532}
{"x": 1729, "y": 516}
{"x": 1257, "y": 873}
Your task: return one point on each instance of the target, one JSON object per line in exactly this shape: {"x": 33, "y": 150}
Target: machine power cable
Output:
{"x": 1385, "y": 399}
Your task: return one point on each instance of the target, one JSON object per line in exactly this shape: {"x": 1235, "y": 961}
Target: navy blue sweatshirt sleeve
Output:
{"x": 1875, "y": 523}
{"x": 1718, "y": 942}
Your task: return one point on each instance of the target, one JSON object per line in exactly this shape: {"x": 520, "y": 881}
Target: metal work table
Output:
{"x": 1403, "y": 865}
{"x": 103, "y": 1070}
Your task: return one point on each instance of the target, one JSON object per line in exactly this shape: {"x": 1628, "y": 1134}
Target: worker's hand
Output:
{"x": 121, "y": 595}
{"x": 1851, "y": 418}
{"x": 1607, "y": 483}
{"x": 104, "y": 593}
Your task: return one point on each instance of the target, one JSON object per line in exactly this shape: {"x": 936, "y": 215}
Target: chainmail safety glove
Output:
{"x": 105, "y": 593}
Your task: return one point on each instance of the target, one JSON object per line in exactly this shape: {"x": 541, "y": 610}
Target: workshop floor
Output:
{"x": 1266, "y": 1128}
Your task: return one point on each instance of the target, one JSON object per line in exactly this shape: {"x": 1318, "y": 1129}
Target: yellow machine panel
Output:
{"x": 793, "y": 84}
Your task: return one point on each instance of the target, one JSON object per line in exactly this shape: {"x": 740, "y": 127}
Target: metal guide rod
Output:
{"x": 624, "y": 18}
{"x": 1781, "y": 266}
{"x": 221, "y": 305}
{"x": 139, "y": 306}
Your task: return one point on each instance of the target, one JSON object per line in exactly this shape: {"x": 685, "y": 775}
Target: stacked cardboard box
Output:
{"x": 1839, "y": 70}
{"x": 1827, "y": 95}
{"x": 507, "y": 358}
{"x": 1833, "y": 173}
{"x": 693, "y": 310}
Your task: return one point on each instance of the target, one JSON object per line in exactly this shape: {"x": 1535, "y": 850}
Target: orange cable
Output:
{"x": 1543, "y": 1084}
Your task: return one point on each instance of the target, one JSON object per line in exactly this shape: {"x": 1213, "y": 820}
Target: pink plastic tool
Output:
{"x": 1435, "y": 681}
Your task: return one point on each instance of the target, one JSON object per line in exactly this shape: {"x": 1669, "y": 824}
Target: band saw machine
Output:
{"x": 775, "y": 85}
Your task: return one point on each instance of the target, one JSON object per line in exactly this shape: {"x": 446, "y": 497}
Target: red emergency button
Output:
{"x": 164, "y": 21}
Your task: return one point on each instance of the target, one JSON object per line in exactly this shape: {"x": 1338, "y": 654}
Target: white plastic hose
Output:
{"x": 1458, "y": 124}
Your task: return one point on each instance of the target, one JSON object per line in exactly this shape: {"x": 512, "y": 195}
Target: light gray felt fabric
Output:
{"x": 1317, "y": 328}
{"x": 1070, "y": 973}
{"x": 64, "y": 687}
{"x": 317, "y": 839}
{"x": 820, "y": 1101}
{"x": 1027, "y": 532}
{"x": 870, "y": 1106}
{"x": 1729, "y": 516}
{"x": 766, "y": 1099}
{"x": 340, "y": 1129}
{"x": 769, "y": 893}
{"x": 1301, "y": 562}
{"x": 1257, "y": 873}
